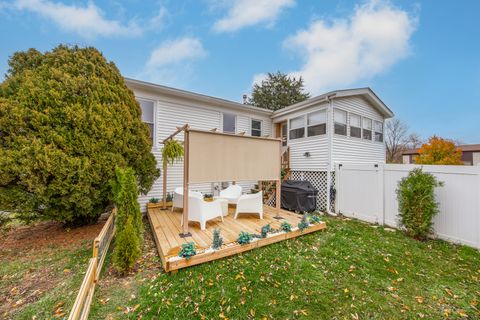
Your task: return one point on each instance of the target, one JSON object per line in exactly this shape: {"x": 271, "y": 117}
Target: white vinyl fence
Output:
{"x": 367, "y": 192}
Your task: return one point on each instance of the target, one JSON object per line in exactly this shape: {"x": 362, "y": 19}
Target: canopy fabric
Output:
{"x": 216, "y": 157}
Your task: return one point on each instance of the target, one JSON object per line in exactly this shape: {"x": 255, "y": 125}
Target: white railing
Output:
{"x": 368, "y": 192}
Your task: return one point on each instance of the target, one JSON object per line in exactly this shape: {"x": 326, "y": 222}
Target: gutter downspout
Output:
{"x": 330, "y": 144}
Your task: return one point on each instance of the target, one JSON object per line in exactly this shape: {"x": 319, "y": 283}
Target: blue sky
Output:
{"x": 422, "y": 58}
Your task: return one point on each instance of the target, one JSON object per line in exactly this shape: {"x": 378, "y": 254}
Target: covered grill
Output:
{"x": 298, "y": 196}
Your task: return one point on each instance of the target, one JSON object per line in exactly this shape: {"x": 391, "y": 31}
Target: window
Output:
{"x": 316, "y": 123}
{"x": 297, "y": 127}
{"x": 148, "y": 114}
{"x": 367, "y": 128}
{"x": 340, "y": 118}
{"x": 355, "y": 126}
{"x": 256, "y": 128}
{"x": 229, "y": 122}
{"x": 378, "y": 131}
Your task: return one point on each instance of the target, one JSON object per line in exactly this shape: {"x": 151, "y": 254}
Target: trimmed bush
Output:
{"x": 127, "y": 247}
{"x": 285, "y": 226}
{"x": 244, "y": 238}
{"x": 66, "y": 120}
{"x": 416, "y": 203}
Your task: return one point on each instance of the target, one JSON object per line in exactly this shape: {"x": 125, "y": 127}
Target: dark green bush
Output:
{"x": 127, "y": 247}
{"x": 416, "y": 203}
{"x": 66, "y": 120}
{"x": 285, "y": 226}
{"x": 244, "y": 238}
{"x": 303, "y": 224}
{"x": 217, "y": 239}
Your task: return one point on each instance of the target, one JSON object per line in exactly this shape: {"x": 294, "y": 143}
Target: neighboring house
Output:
{"x": 470, "y": 154}
{"x": 339, "y": 126}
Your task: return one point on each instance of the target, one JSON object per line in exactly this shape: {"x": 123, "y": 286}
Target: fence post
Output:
{"x": 338, "y": 166}
{"x": 381, "y": 192}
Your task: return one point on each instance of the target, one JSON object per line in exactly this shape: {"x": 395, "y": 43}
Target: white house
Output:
{"x": 342, "y": 125}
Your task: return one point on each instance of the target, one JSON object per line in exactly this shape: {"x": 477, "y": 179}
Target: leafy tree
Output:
{"x": 416, "y": 203}
{"x": 439, "y": 151}
{"x": 66, "y": 120}
{"x": 278, "y": 91}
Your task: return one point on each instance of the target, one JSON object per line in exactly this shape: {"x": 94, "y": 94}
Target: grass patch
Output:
{"x": 352, "y": 270}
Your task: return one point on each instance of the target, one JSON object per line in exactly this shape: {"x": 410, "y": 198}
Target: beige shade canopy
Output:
{"x": 215, "y": 157}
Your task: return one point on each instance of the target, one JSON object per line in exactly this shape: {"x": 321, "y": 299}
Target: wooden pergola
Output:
{"x": 211, "y": 156}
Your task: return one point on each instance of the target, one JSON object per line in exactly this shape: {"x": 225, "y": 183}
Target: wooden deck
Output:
{"x": 166, "y": 229}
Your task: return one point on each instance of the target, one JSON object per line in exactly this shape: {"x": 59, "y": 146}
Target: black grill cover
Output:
{"x": 298, "y": 196}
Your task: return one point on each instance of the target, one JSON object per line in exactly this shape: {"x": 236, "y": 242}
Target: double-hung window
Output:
{"x": 229, "y": 123}
{"x": 256, "y": 129}
{"x": 316, "y": 123}
{"x": 378, "y": 131}
{"x": 148, "y": 114}
{"x": 340, "y": 119}
{"x": 367, "y": 128}
{"x": 355, "y": 126}
{"x": 297, "y": 127}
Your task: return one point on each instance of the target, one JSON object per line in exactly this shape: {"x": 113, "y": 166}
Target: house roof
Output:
{"x": 365, "y": 92}
{"x": 194, "y": 96}
{"x": 463, "y": 147}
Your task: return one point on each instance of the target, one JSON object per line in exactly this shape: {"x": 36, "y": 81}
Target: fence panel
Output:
{"x": 459, "y": 198}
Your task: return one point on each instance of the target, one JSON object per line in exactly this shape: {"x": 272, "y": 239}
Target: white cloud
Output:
{"x": 246, "y": 13}
{"x": 170, "y": 62}
{"x": 87, "y": 21}
{"x": 176, "y": 51}
{"x": 344, "y": 51}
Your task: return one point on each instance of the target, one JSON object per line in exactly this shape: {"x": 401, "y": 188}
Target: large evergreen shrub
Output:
{"x": 416, "y": 203}
{"x": 66, "y": 120}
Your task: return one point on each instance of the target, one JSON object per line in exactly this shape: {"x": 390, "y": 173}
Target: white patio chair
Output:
{"x": 232, "y": 193}
{"x": 250, "y": 203}
{"x": 178, "y": 197}
{"x": 201, "y": 211}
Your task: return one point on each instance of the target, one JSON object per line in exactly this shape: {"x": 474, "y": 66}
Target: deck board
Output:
{"x": 166, "y": 227}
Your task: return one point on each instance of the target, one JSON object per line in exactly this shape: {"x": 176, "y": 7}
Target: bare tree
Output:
{"x": 395, "y": 139}
{"x": 414, "y": 141}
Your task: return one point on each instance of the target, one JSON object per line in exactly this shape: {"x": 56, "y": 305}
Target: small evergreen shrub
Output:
{"x": 154, "y": 200}
{"x": 188, "y": 250}
{"x": 303, "y": 224}
{"x": 315, "y": 218}
{"x": 265, "y": 230}
{"x": 285, "y": 226}
{"x": 244, "y": 238}
{"x": 127, "y": 248}
{"x": 169, "y": 197}
{"x": 217, "y": 239}
{"x": 416, "y": 203}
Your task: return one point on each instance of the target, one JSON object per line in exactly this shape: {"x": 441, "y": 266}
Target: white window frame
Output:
{"x": 251, "y": 127}
{"x": 363, "y": 128}
{"x": 300, "y": 127}
{"x": 350, "y": 125}
{"x": 154, "y": 123}
{"x": 344, "y": 124}
{"x": 375, "y": 131}
{"x": 316, "y": 124}
{"x": 235, "y": 122}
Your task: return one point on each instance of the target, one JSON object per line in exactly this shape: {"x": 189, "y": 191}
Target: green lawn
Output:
{"x": 352, "y": 270}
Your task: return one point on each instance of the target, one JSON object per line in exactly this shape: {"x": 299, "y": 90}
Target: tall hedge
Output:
{"x": 67, "y": 120}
